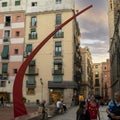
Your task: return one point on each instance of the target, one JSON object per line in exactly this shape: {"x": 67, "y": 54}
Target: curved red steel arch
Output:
{"x": 19, "y": 107}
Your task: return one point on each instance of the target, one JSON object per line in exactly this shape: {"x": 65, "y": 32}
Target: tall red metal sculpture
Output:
{"x": 19, "y": 107}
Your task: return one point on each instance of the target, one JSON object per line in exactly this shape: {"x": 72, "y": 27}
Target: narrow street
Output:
{"x": 71, "y": 114}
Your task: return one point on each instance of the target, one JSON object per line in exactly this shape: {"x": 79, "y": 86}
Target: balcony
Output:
{"x": 7, "y": 24}
{"x": 30, "y": 84}
{"x": 6, "y": 39}
{"x": 33, "y": 36}
{"x": 26, "y": 54}
{"x": 4, "y": 76}
{"x": 58, "y": 54}
{"x": 34, "y": 71}
{"x": 57, "y": 72}
{"x": 59, "y": 35}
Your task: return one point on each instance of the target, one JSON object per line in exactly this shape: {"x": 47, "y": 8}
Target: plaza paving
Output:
{"x": 71, "y": 114}
{"x": 6, "y": 113}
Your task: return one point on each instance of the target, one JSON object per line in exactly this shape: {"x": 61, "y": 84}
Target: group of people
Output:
{"x": 89, "y": 109}
{"x": 61, "y": 107}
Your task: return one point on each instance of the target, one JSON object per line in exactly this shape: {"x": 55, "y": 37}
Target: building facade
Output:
{"x": 87, "y": 73}
{"x": 54, "y": 73}
{"x": 114, "y": 35}
{"x": 12, "y": 16}
{"x": 97, "y": 79}
{"x": 106, "y": 87}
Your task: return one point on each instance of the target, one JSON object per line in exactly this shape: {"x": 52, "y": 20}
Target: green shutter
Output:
{"x": 5, "y": 52}
{"x": 58, "y": 19}
{"x": 31, "y": 80}
{"x": 29, "y": 48}
{"x": 57, "y": 78}
{"x": 4, "y": 4}
{"x": 17, "y": 3}
{"x": 58, "y": 44}
{"x": 32, "y": 63}
{"x": 4, "y": 68}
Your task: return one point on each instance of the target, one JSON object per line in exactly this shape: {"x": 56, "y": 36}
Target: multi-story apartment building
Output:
{"x": 97, "y": 79}
{"x": 114, "y": 23}
{"x": 87, "y": 73}
{"x": 106, "y": 88}
{"x": 12, "y": 16}
{"x": 55, "y": 70}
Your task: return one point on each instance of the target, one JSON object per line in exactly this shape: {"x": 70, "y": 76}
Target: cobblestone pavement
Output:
{"x": 71, "y": 114}
{"x": 6, "y": 113}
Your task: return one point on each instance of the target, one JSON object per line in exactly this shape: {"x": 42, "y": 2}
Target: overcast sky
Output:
{"x": 94, "y": 28}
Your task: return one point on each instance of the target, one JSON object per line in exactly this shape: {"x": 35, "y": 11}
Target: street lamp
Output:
{"x": 41, "y": 81}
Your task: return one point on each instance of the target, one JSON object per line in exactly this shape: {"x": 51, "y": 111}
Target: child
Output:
{"x": 82, "y": 112}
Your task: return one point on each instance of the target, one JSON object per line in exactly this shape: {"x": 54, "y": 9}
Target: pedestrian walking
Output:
{"x": 2, "y": 101}
{"x": 113, "y": 108}
{"x": 82, "y": 112}
{"x": 93, "y": 108}
{"x": 59, "y": 106}
{"x": 64, "y": 106}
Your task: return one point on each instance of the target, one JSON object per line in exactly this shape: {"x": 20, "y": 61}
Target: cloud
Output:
{"x": 94, "y": 27}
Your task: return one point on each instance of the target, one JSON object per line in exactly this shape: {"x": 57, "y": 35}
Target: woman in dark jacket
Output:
{"x": 82, "y": 112}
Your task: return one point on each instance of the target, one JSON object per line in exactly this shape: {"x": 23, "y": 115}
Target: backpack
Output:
{"x": 115, "y": 110}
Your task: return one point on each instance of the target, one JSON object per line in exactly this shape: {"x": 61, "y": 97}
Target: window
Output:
{"x": 14, "y": 71}
{"x": 18, "y": 18}
{"x": 58, "y": 19}
{"x": 105, "y": 68}
{"x": 96, "y": 74}
{"x": 17, "y": 33}
{"x": 7, "y": 21}
{"x": 16, "y": 51}
{"x": 33, "y": 34}
{"x": 97, "y": 91}
{"x": 32, "y": 67}
{"x": 4, "y": 4}
{"x": 96, "y": 82}
{"x": 96, "y": 66}
{"x": 5, "y": 68}
{"x": 59, "y": 34}
{"x": 58, "y": 1}
{"x": 58, "y": 48}
{"x": 6, "y": 35}
{"x": 31, "y": 91}
{"x": 17, "y": 3}
{"x": 33, "y": 21}
{"x": 34, "y": 4}
{"x": 3, "y": 84}
{"x": 4, "y": 71}
{"x": 5, "y": 52}
{"x": 58, "y": 66}
{"x": 31, "y": 83}
{"x": 28, "y": 48}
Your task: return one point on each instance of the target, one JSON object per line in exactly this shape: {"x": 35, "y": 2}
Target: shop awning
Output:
{"x": 63, "y": 84}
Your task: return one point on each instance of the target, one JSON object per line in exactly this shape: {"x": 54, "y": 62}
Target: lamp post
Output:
{"x": 41, "y": 81}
